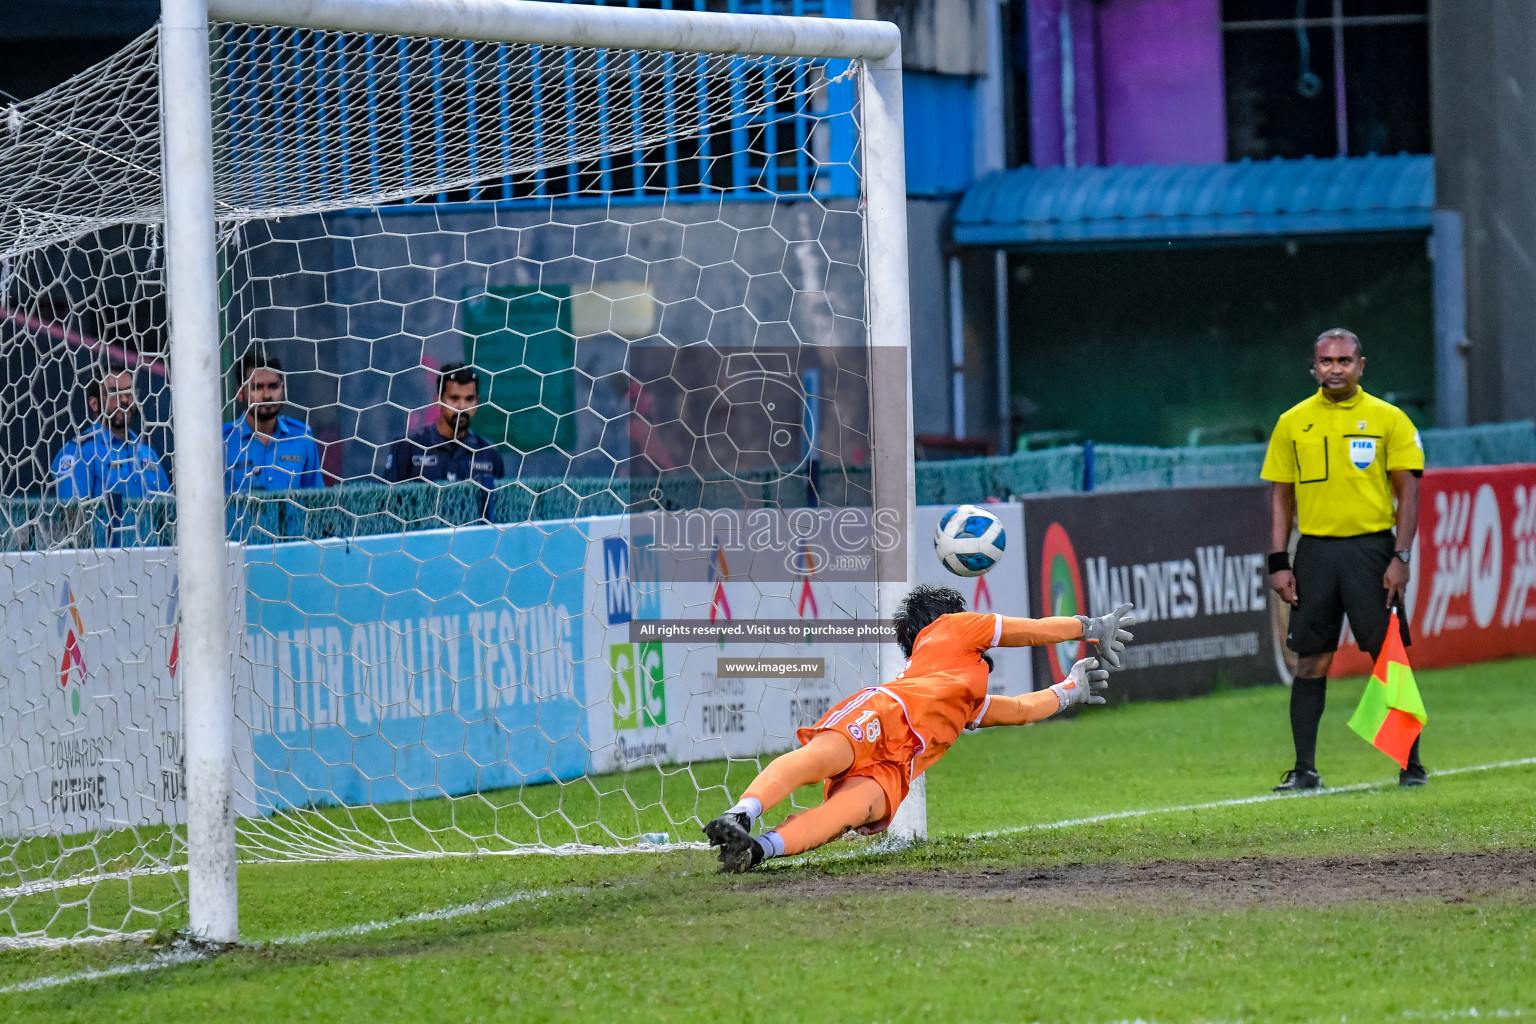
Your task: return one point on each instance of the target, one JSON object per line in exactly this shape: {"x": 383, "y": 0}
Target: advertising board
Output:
{"x": 91, "y": 735}
{"x": 1472, "y": 593}
{"x": 1192, "y": 563}
{"x": 665, "y": 702}
{"x": 413, "y": 665}
{"x": 653, "y": 701}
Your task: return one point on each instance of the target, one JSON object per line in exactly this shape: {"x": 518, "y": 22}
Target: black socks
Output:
{"x": 1308, "y": 696}
{"x": 1307, "y": 699}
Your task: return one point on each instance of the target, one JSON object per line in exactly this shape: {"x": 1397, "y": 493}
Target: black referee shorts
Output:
{"x": 1338, "y": 576}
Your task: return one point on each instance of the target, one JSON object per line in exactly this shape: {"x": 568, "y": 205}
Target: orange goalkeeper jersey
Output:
{"x": 944, "y": 686}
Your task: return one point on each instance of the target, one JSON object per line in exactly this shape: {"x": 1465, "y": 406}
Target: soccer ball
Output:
{"x": 969, "y": 540}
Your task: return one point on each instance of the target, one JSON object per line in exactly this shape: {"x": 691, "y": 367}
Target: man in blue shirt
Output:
{"x": 265, "y": 450}
{"x": 447, "y": 450}
{"x": 110, "y": 458}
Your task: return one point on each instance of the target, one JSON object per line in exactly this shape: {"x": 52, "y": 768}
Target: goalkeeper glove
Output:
{"x": 1085, "y": 684}
{"x": 1108, "y": 631}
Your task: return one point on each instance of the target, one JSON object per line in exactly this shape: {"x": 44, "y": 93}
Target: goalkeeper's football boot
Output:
{"x": 1413, "y": 775}
{"x": 1298, "y": 779}
{"x": 738, "y": 850}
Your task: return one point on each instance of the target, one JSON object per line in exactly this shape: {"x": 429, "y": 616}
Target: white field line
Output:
{"x": 566, "y": 850}
{"x": 172, "y": 958}
{"x": 191, "y": 954}
{"x": 1262, "y": 798}
{"x": 42, "y": 942}
{"x": 1470, "y": 1013}
{"x": 446, "y": 914}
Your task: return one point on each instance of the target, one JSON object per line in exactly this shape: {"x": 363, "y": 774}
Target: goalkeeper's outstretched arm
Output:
{"x": 1108, "y": 633}
{"x": 1054, "y": 629}
{"x": 1085, "y": 684}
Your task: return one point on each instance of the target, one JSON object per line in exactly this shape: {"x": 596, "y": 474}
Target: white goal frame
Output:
{"x": 192, "y": 303}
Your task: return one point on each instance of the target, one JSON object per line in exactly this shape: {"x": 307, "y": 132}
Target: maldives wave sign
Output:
{"x": 1190, "y": 560}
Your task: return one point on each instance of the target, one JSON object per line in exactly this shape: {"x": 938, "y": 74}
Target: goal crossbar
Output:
{"x": 554, "y": 24}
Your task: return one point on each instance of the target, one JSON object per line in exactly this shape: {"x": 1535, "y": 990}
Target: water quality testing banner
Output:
{"x": 1190, "y": 560}
{"x": 378, "y": 669}
{"x": 413, "y": 665}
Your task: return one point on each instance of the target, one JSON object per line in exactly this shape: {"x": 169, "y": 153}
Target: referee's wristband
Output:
{"x": 1279, "y": 561}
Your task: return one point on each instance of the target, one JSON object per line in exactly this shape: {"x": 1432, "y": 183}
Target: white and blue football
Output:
{"x": 969, "y": 540}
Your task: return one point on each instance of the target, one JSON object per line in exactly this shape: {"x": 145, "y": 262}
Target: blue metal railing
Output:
{"x": 359, "y": 106}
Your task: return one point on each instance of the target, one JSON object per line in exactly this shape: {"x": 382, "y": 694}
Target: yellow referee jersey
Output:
{"x": 1338, "y": 455}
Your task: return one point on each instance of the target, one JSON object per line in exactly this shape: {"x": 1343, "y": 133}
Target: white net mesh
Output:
{"x": 651, "y": 268}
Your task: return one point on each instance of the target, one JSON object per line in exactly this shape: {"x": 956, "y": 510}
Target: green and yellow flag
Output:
{"x": 1391, "y": 714}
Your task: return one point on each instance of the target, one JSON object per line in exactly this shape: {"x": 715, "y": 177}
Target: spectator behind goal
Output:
{"x": 447, "y": 450}
{"x": 109, "y": 457}
{"x": 263, "y": 449}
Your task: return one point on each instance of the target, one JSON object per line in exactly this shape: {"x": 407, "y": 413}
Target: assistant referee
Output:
{"x": 1338, "y": 463}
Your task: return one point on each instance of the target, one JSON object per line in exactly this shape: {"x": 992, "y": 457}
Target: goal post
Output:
{"x": 192, "y": 313}
{"x": 890, "y": 313}
{"x": 561, "y": 24}
{"x": 192, "y": 285}
{"x": 585, "y": 215}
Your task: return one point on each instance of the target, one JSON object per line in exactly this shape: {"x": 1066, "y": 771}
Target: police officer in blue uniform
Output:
{"x": 446, "y": 451}
{"x": 265, "y": 450}
{"x": 110, "y": 460}
{"x": 110, "y": 457}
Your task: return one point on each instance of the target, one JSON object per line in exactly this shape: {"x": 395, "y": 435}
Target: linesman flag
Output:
{"x": 1391, "y": 714}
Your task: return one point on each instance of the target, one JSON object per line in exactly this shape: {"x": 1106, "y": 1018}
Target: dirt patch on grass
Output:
{"x": 1207, "y": 884}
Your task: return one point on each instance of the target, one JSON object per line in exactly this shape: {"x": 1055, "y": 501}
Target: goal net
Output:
{"x": 566, "y": 474}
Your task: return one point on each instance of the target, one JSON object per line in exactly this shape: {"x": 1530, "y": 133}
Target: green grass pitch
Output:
{"x": 994, "y": 919}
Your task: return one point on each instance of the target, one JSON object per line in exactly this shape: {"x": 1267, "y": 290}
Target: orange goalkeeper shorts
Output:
{"x": 884, "y": 746}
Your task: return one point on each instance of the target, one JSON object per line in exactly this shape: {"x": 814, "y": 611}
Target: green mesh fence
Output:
{"x": 1489, "y": 444}
{"x": 1127, "y": 467}
{"x": 961, "y": 480}
{"x": 1130, "y": 467}
{"x": 30, "y": 523}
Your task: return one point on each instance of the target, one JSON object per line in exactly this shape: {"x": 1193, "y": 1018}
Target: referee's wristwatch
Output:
{"x": 1404, "y": 555}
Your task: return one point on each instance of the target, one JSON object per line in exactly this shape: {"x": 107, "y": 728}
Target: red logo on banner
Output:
{"x": 173, "y": 620}
{"x": 72, "y": 668}
{"x": 1061, "y": 592}
{"x": 73, "y": 661}
{"x": 718, "y": 605}
{"x": 808, "y": 599}
{"x": 1474, "y": 586}
{"x": 72, "y": 665}
{"x": 807, "y": 595}
{"x": 981, "y": 600}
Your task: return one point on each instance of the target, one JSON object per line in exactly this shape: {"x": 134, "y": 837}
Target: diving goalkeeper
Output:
{"x": 869, "y": 748}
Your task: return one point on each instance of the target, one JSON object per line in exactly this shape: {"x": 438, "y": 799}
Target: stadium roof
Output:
{"x": 1059, "y": 205}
